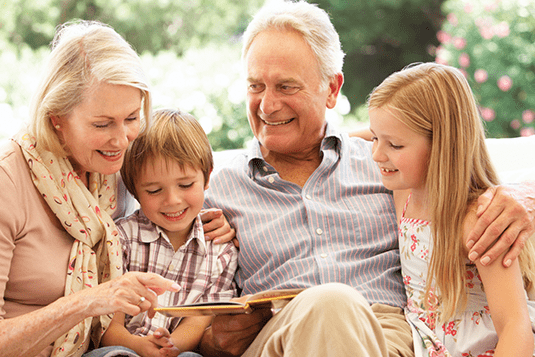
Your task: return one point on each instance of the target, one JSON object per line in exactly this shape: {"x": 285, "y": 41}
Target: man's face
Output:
{"x": 286, "y": 101}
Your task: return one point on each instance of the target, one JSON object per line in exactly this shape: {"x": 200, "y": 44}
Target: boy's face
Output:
{"x": 171, "y": 197}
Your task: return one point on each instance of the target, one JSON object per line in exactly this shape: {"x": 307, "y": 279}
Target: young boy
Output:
{"x": 167, "y": 170}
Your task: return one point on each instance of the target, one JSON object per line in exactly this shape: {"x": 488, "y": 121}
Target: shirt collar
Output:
{"x": 196, "y": 233}
{"x": 332, "y": 139}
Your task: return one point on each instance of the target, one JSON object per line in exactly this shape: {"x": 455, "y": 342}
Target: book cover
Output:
{"x": 274, "y": 299}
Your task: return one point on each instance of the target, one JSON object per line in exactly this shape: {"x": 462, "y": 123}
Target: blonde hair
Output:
{"x": 174, "y": 136}
{"x": 311, "y": 22}
{"x": 436, "y": 101}
{"x": 83, "y": 54}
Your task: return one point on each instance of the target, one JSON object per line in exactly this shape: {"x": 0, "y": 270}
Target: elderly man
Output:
{"x": 309, "y": 208}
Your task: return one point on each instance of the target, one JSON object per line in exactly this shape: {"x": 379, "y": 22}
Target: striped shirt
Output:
{"x": 339, "y": 227}
{"x": 205, "y": 271}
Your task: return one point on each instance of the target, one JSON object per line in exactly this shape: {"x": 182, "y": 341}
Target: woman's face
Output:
{"x": 97, "y": 132}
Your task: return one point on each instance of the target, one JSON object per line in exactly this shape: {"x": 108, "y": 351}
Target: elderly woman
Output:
{"x": 60, "y": 260}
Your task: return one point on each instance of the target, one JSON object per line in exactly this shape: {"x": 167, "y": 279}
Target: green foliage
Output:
{"x": 380, "y": 37}
{"x": 149, "y": 25}
{"x": 493, "y": 43}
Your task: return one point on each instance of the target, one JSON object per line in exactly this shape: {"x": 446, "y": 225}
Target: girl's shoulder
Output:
{"x": 469, "y": 222}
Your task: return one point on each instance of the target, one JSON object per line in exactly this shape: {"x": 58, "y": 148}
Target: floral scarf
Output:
{"x": 85, "y": 213}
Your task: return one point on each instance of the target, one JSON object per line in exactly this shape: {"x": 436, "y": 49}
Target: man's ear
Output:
{"x": 335, "y": 84}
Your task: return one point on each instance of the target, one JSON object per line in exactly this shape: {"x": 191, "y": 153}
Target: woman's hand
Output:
{"x": 217, "y": 228}
{"x": 131, "y": 293}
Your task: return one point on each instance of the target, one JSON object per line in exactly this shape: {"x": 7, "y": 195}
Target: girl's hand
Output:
{"x": 131, "y": 293}
{"x": 217, "y": 228}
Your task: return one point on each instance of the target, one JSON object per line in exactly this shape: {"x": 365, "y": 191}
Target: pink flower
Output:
{"x": 481, "y": 76}
{"x": 443, "y": 36}
{"x": 441, "y": 60}
{"x": 486, "y": 32}
{"x": 459, "y": 43}
{"x": 502, "y": 29}
{"x": 488, "y": 114}
{"x": 452, "y": 18}
{"x": 505, "y": 83}
{"x": 468, "y": 8}
{"x": 515, "y": 124}
{"x": 464, "y": 60}
{"x": 527, "y": 131}
{"x": 528, "y": 116}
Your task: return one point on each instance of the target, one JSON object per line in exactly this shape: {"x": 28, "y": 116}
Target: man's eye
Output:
{"x": 289, "y": 89}
{"x": 255, "y": 88}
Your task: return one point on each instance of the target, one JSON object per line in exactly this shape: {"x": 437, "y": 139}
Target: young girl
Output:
{"x": 429, "y": 144}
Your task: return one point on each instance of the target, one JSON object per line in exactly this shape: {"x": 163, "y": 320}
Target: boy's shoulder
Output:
{"x": 135, "y": 223}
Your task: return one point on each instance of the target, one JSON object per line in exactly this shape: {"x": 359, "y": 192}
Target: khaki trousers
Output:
{"x": 334, "y": 320}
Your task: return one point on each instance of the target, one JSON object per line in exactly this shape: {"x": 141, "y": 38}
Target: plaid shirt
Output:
{"x": 205, "y": 271}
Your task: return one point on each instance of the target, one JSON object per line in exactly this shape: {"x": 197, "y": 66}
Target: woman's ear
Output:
{"x": 55, "y": 121}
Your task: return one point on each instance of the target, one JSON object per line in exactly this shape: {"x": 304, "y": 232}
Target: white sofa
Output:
{"x": 514, "y": 158}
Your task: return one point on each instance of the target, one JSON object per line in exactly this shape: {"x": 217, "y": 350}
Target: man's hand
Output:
{"x": 231, "y": 335}
{"x": 506, "y": 218}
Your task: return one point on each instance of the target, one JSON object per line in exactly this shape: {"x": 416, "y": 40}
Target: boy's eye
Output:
{"x": 153, "y": 192}
{"x": 396, "y": 147}
{"x": 187, "y": 185}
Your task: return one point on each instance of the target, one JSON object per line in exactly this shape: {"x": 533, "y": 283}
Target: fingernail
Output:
{"x": 470, "y": 244}
{"x": 176, "y": 287}
{"x": 508, "y": 263}
{"x": 485, "y": 260}
{"x": 472, "y": 256}
{"x": 479, "y": 209}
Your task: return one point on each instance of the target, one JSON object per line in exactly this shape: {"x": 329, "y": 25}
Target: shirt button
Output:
{"x": 171, "y": 267}
{"x": 319, "y": 231}
{"x": 265, "y": 169}
{"x": 323, "y": 255}
{"x": 308, "y": 197}
{"x": 271, "y": 179}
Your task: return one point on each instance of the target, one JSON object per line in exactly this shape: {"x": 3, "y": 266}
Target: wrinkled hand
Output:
{"x": 131, "y": 293}
{"x": 217, "y": 228}
{"x": 506, "y": 218}
{"x": 232, "y": 334}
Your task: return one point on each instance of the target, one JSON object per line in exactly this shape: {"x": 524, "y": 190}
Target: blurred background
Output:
{"x": 191, "y": 52}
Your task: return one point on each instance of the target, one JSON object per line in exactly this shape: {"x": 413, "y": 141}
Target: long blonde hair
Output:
{"x": 83, "y": 53}
{"x": 436, "y": 101}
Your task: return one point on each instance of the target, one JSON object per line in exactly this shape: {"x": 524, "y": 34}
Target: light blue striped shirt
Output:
{"x": 340, "y": 227}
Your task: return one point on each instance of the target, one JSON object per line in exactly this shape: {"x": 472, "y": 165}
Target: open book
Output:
{"x": 274, "y": 299}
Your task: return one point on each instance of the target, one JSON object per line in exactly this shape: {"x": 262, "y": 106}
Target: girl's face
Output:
{"x": 401, "y": 154}
{"x": 98, "y": 131}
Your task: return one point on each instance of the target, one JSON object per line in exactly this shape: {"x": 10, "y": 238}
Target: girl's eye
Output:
{"x": 374, "y": 138}
{"x": 396, "y": 147}
{"x": 131, "y": 119}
